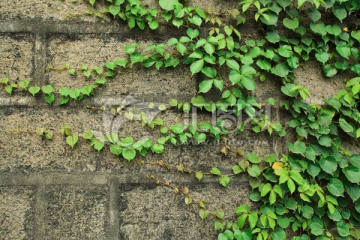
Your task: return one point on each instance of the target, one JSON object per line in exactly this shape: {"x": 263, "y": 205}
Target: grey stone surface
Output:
{"x": 76, "y": 213}
{"x": 46, "y": 10}
{"x": 16, "y": 213}
{"x": 16, "y": 56}
{"x": 154, "y": 212}
{"x": 27, "y": 153}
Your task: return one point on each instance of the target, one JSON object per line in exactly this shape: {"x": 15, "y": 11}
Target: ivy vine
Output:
{"x": 310, "y": 192}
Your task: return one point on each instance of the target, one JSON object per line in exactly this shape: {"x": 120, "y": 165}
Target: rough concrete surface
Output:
{"x": 310, "y": 75}
{"x": 46, "y": 10}
{"x": 76, "y": 213}
{"x": 16, "y": 212}
{"x": 24, "y": 152}
{"x": 16, "y": 56}
{"x": 154, "y": 212}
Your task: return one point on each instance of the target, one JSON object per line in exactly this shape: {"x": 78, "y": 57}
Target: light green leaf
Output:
{"x": 224, "y": 181}
{"x": 72, "y": 140}
{"x": 291, "y": 185}
{"x": 291, "y": 23}
{"x": 248, "y": 83}
{"x": 328, "y": 164}
{"x": 339, "y": 11}
{"x": 129, "y": 154}
{"x": 298, "y": 147}
{"x": 168, "y": 5}
{"x": 352, "y": 173}
{"x": 196, "y": 66}
{"x": 205, "y": 86}
{"x": 114, "y": 10}
{"x": 345, "y": 125}
{"x": 335, "y": 187}
{"x": 280, "y": 70}
{"x": 215, "y": 171}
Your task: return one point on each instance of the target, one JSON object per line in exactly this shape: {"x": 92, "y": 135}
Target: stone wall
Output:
{"x": 47, "y": 190}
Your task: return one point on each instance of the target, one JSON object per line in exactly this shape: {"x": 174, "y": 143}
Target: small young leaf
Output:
{"x": 129, "y": 154}
{"x": 215, "y": 171}
{"x": 72, "y": 140}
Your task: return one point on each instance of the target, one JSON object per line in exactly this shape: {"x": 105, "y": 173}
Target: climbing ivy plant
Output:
{"x": 312, "y": 191}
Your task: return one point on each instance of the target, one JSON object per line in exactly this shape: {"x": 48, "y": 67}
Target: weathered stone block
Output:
{"x": 16, "y": 213}
{"x": 25, "y": 152}
{"x": 76, "y": 213}
{"x": 311, "y": 76}
{"x": 46, "y": 10}
{"x": 154, "y": 212}
{"x": 16, "y": 56}
{"x": 96, "y": 50}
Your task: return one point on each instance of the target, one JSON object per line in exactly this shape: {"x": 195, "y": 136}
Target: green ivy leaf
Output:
{"x": 283, "y": 3}
{"x": 72, "y": 140}
{"x": 280, "y": 70}
{"x": 253, "y": 218}
{"x": 231, "y": 63}
{"x": 328, "y": 164}
{"x": 168, "y": 5}
{"x": 209, "y": 72}
{"x": 322, "y": 57}
{"x": 116, "y": 150}
{"x": 243, "y": 234}
{"x": 344, "y": 51}
{"x": 253, "y": 158}
{"x": 47, "y": 89}
{"x": 339, "y": 11}
{"x": 196, "y": 66}
{"x": 49, "y": 98}
{"x": 318, "y": 28}
{"x": 34, "y": 90}
{"x": 336, "y": 187}
{"x": 244, "y": 208}
{"x": 254, "y": 171}
{"x": 114, "y": 10}
{"x": 314, "y": 14}
{"x": 352, "y": 173}
{"x": 298, "y": 147}
{"x": 269, "y": 19}
{"x": 278, "y": 234}
{"x": 248, "y": 83}
{"x": 342, "y": 229}
{"x": 333, "y": 29}
{"x": 209, "y": 48}
{"x": 317, "y": 227}
{"x": 215, "y": 171}
{"x": 129, "y": 154}
{"x": 205, "y": 86}
{"x": 356, "y": 35}
{"x": 199, "y": 175}
{"x": 192, "y": 33}
{"x": 272, "y": 36}
{"x": 345, "y": 126}
{"x": 329, "y": 70}
{"x": 265, "y": 189}
{"x": 291, "y": 23}
{"x": 224, "y": 181}
{"x": 291, "y": 185}
{"x": 264, "y": 64}
{"x": 296, "y": 176}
